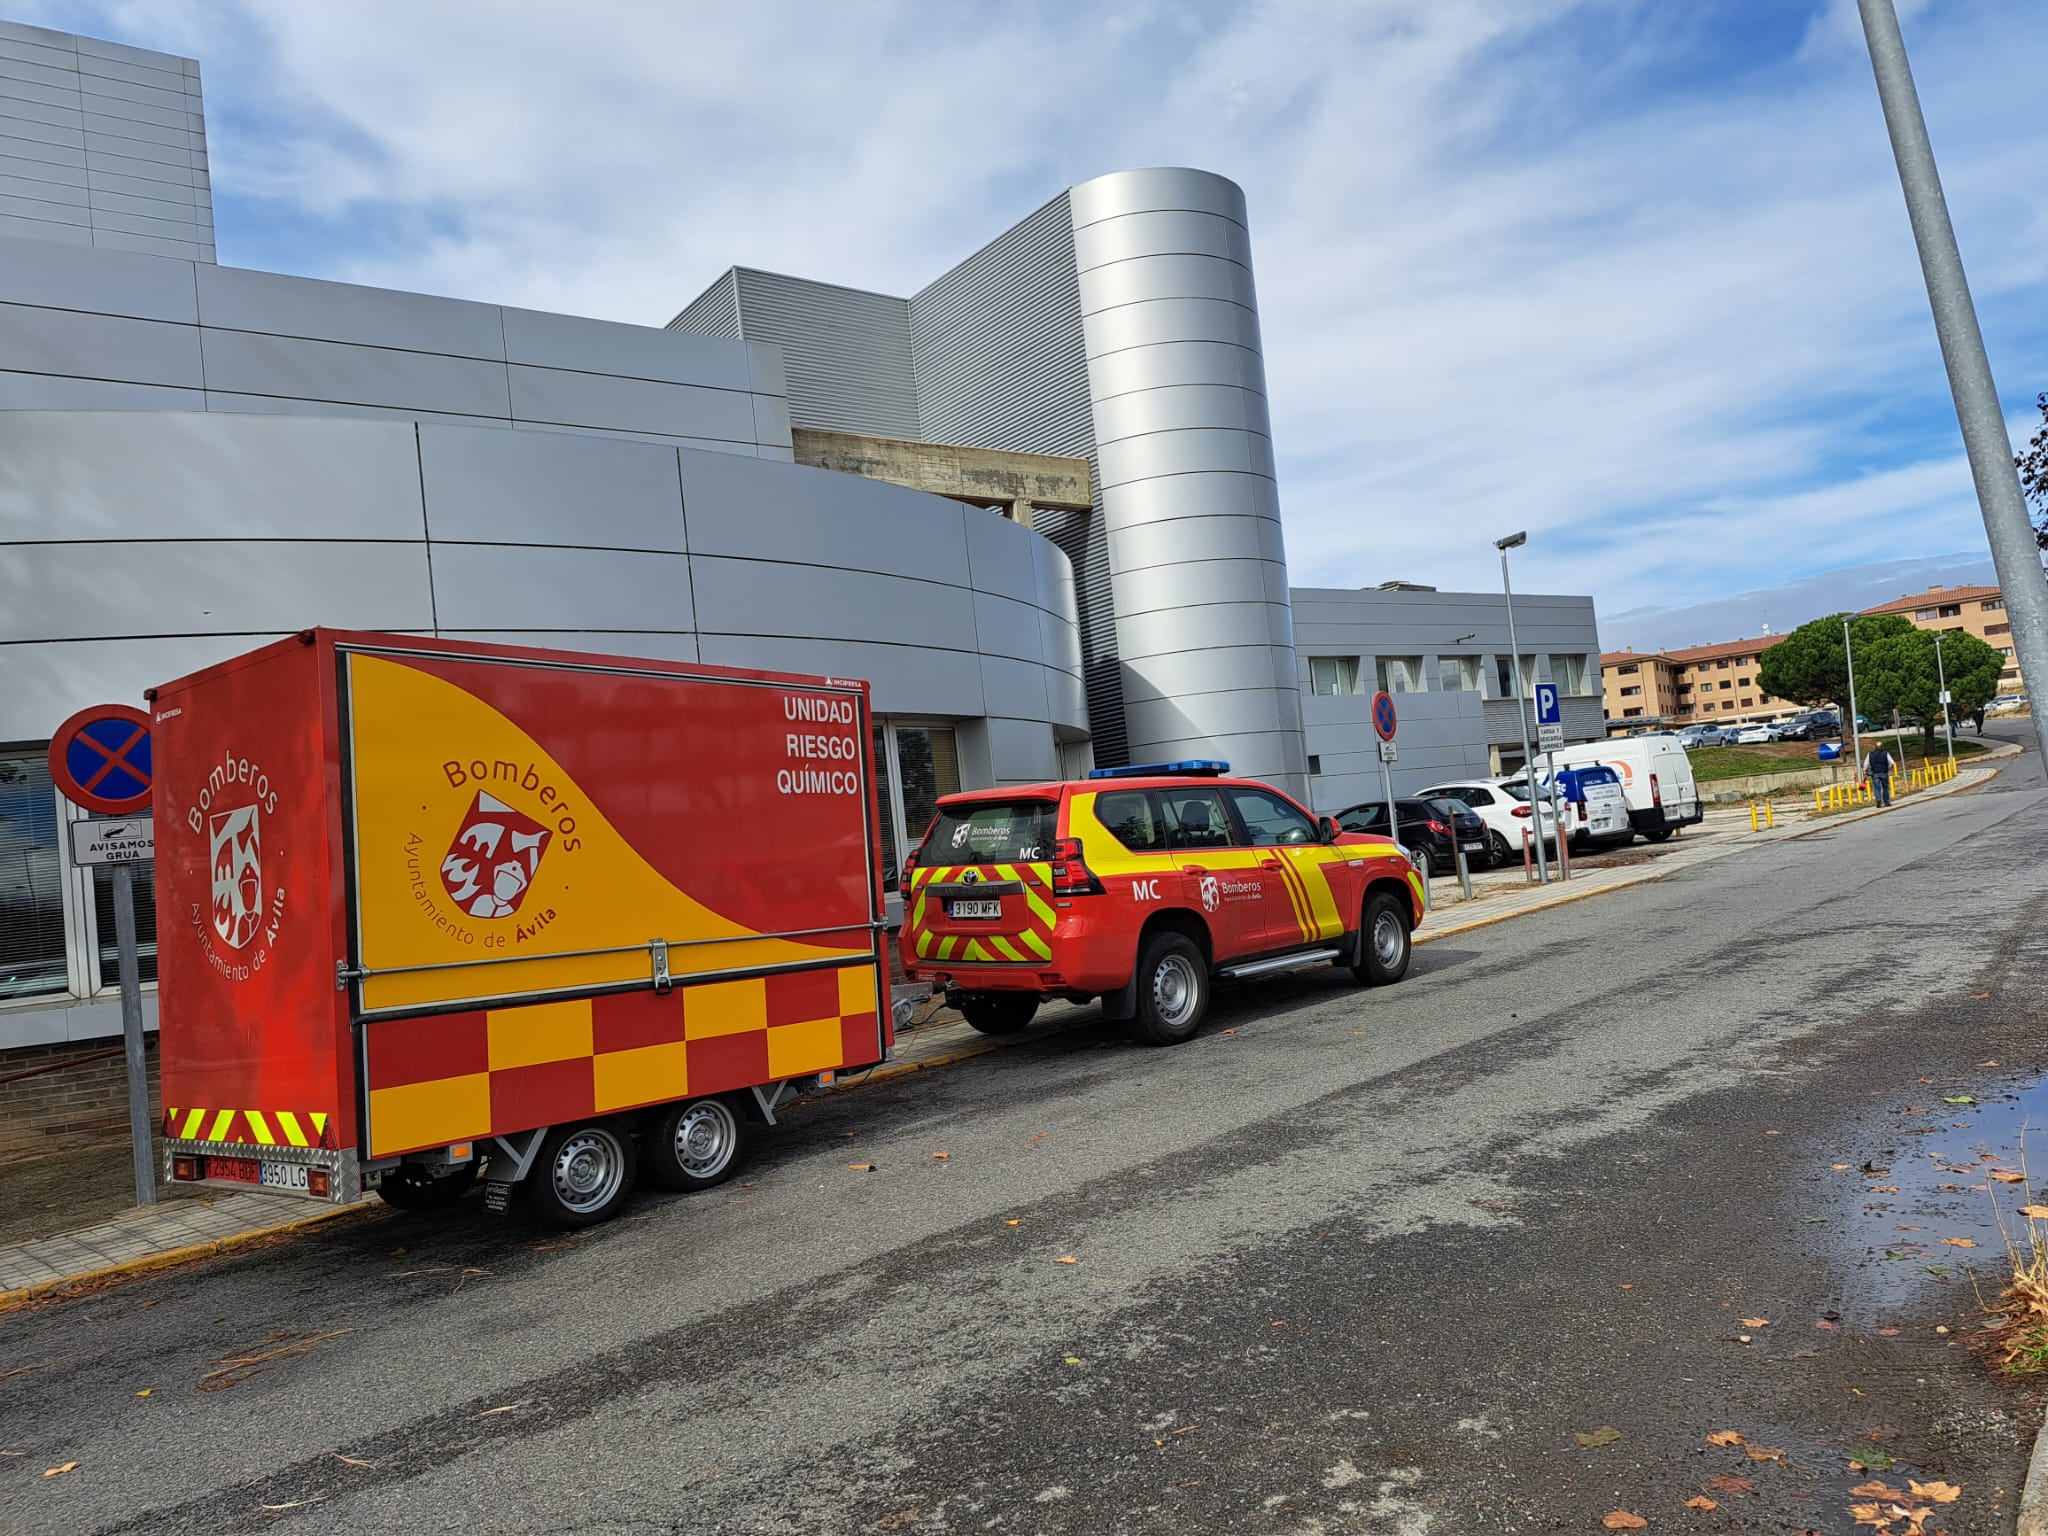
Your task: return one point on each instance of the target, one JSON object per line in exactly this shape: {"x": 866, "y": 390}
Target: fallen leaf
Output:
{"x": 1701, "y": 1501}
{"x": 1229, "y": 1031}
{"x": 1978, "y": 997}
{"x": 60, "y": 1471}
{"x": 1724, "y": 1482}
{"x": 1628, "y": 1285}
{"x": 352, "y": 1461}
{"x": 1960, "y": 1242}
{"x": 1961, "y": 1098}
{"x": 1883, "y": 1189}
{"x": 294, "y": 1504}
{"x": 1941, "y": 1493}
{"x": 1869, "y": 1514}
{"x": 145, "y": 1391}
{"x": 1825, "y": 1326}
{"x": 1589, "y": 1439}
{"x": 1756, "y": 1322}
{"x": 1075, "y": 1360}
{"x": 506, "y": 1409}
{"x": 1622, "y": 1520}
{"x": 1839, "y": 1167}
{"x": 862, "y": 1167}
{"x": 1887, "y": 1333}
{"x": 1725, "y": 1437}
{"x": 1066, "y": 1258}
{"x": 2038, "y": 1212}
{"x": 1764, "y": 1453}
{"x": 1876, "y": 1489}
{"x": 942, "y": 1156}
{"x": 1013, "y": 1223}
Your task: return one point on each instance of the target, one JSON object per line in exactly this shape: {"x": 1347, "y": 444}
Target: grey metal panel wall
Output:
{"x": 715, "y": 311}
{"x": 102, "y": 145}
{"x": 845, "y": 351}
{"x": 99, "y": 329}
{"x": 999, "y": 362}
{"x": 1177, "y": 386}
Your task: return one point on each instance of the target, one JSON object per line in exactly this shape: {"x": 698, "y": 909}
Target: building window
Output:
{"x": 1951, "y": 611}
{"x": 1460, "y": 674}
{"x": 1746, "y": 703}
{"x": 1628, "y": 671}
{"x": 1315, "y": 763}
{"x": 1743, "y": 681}
{"x": 1569, "y": 673}
{"x": 1997, "y": 629}
{"x": 1992, "y": 605}
{"x": 1725, "y": 684}
{"x": 1401, "y": 674}
{"x": 914, "y": 765}
{"x": 1627, "y": 713}
{"x": 32, "y": 960}
{"x": 1504, "y": 675}
{"x": 1923, "y": 613}
{"x": 1630, "y": 693}
{"x": 1722, "y": 665}
{"x": 145, "y": 923}
{"x": 1333, "y": 674}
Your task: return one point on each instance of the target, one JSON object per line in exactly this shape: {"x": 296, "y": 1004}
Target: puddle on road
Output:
{"x": 1925, "y": 1208}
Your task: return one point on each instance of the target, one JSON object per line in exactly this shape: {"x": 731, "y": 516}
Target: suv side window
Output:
{"x": 1271, "y": 821}
{"x": 1472, "y": 795}
{"x": 1132, "y": 819}
{"x": 1195, "y": 818}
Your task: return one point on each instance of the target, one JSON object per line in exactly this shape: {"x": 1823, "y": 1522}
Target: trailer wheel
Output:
{"x": 411, "y": 1187}
{"x": 998, "y": 1013}
{"x": 695, "y": 1145}
{"x": 583, "y": 1173}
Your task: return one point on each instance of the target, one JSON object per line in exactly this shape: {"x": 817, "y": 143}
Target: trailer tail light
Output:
{"x": 185, "y": 1169}
{"x": 1656, "y": 794}
{"x": 319, "y": 1182}
{"x": 1071, "y": 875}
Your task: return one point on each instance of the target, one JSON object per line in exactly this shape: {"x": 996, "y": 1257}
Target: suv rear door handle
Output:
{"x": 1269, "y": 863}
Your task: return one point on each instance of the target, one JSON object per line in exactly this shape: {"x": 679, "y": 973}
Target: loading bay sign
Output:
{"x": 123, "y": 840}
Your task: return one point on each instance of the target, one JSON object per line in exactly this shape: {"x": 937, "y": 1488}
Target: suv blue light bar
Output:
{"x": 1193, "y": 768}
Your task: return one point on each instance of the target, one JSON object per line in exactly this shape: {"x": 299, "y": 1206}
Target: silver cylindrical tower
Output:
{"x": 1177, "y": 381}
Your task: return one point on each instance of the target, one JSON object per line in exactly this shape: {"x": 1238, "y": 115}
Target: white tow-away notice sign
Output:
{"x": 115, "y": 840}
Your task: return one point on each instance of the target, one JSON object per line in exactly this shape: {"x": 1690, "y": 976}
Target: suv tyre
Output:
{"x": 1173, "y": 989}
{"x": 1383, "y": 939}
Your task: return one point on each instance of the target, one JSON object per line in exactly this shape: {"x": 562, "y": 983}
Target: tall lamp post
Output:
{"x": 1948, "y": 728}
{"x": 1855, "y": 730}
{"x": 1516, "y": 541}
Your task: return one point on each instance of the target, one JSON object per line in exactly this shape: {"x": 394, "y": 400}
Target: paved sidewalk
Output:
{"x": 172, "y": 1233}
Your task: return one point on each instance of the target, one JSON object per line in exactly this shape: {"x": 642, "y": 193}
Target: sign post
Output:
{"x": 1383, "y": 722}
{"x": 100, "y": 760}
{"x": 1549, "y": 737}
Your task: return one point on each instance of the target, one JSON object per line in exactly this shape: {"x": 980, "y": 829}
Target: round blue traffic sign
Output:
{"x": 100, "y": 759}
{"x": 1383, "y": 716}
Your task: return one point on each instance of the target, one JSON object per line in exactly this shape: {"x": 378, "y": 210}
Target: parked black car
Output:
{"x": 1427, "y": 825}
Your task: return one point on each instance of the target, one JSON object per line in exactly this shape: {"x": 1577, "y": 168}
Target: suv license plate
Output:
{"x": 974, "y": 909}
{"x": 283, "y": 1176}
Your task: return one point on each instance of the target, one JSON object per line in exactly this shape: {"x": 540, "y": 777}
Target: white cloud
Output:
{"x": 1590, "y": 267}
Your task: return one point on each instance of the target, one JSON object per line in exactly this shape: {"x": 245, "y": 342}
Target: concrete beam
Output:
{"x": 984, "y": 477}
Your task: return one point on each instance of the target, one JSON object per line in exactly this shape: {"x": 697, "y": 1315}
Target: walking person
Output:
{"x": 1879, "y": 766}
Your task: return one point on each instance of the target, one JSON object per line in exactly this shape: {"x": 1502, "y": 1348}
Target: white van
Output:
{"x": 1656, "y": 780}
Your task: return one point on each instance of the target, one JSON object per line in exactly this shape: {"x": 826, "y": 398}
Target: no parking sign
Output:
{"x": 99, "y": 759}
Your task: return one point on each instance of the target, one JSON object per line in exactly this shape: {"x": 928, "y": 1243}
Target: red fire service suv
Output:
{"x": 1138, "y": 886}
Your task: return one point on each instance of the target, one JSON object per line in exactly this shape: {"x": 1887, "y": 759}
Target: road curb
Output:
{"x": 2033, "y": 1508}
{"x": 170, "y": 1258}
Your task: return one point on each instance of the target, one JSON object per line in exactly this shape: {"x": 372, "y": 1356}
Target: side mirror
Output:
{"x": 1331, "y": 831}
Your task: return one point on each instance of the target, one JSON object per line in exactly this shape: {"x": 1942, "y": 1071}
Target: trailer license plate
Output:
{"x": 284, "y": 1176}
{"x": 974, "y": 909}
{"x": 240, "y": 1170}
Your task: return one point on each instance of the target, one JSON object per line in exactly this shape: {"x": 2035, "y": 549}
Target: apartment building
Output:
{"x": 1978, "y": 611}
{"x": 1701, "y": 684}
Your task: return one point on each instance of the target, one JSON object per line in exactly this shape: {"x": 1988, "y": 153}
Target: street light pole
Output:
{"x": 1514, "y": 541}
{"x": 2013, "y": 549}
{"x": 1855, "y": 731}
{"x": 1948, "y": 729}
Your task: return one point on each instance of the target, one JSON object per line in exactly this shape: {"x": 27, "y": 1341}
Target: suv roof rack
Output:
{"x": 1192, "y": 768}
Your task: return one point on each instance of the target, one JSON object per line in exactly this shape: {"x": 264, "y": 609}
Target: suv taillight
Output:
{"x": 909, "y": 863}
{"x": 1656, "y": 794}
{"x": 1071, "y": 875}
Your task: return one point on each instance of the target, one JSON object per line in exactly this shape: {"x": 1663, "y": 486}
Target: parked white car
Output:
{"x": 1656, "y": 780}
{"x": 1503, "y": 804}
{"x": 1757, "y": 735}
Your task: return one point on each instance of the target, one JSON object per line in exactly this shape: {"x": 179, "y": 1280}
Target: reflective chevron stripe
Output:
{"x": 251, "y": 1127}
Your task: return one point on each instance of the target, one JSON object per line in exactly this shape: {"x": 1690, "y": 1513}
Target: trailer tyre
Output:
{"x": 695, "y": 1144}
{"x": 998, "y": 1013}
{"x": 1173, "y": 989}
{"x": 583, "y": 1174}
{"x": 410, "y": 1187}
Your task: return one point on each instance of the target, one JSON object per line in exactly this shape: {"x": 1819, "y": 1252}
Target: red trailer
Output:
{"x": 427, "y": 907}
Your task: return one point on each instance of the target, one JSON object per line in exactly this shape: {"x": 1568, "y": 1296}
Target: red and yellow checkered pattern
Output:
{"x": 464, "y": 1076}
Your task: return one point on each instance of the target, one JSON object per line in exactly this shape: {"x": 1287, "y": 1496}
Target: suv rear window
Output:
{"x": 1599, "y": 773}
{"x": 992, "y": 832}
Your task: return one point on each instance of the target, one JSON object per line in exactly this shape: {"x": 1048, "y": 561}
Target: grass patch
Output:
{"x": 1712, "y": 763}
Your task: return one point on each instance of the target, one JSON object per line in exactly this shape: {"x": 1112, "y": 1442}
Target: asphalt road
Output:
{"x": 1353, "y": 1261}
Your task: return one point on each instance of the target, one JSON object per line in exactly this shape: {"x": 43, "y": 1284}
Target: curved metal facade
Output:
{"x": 1177, "y": 383}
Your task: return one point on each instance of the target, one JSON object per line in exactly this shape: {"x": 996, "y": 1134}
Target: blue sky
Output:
{"x": 1632, "y": 274}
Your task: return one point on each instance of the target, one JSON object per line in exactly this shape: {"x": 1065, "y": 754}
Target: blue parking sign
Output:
{"x": 1548, "y": 711}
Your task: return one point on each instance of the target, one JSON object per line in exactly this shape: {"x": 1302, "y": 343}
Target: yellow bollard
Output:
{"x": 1770, "y": 816}
{"x": 1820, "y": 802}
{"x": 1752, "y": 815}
